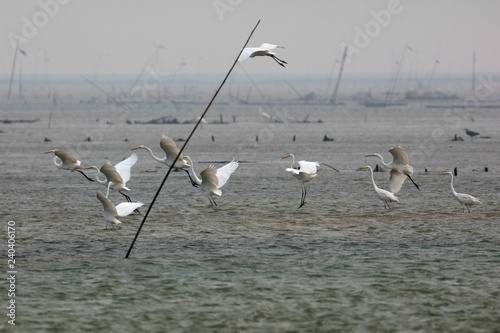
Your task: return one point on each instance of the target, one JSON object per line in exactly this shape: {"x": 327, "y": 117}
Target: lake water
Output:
{"x": 255, "y": 263}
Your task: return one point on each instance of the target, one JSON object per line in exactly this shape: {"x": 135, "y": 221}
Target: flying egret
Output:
{"x": 470, "y": 133}
{"x": 171, "y": 151}
{"x": 465, "y": 199}
{"x": 306, "y": 172}
{"x": 263, "y": 50}
{"x": 111, "y": 212}
{"x": 400, "y": 169}
{"x": 117, "y": 175}
{"x": 384, "y": 195}
{"x": 68, "y": 162}
{"x": 212, "y": 178}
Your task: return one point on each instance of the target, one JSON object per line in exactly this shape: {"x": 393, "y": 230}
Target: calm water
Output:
{"x": 255, "y": 263}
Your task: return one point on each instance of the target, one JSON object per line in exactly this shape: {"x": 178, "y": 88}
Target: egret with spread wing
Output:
{"x": 263, "y": 50}
{"x": 67, "y": 162}
{"x": 117, "y": 175}
{"x": 306, "y": 172}
{"x": 400, "y": 169}
{"x": 111, "y": 212}
{"x": 212, "y": 178}
{"x": 384, "y": 195}
{"x": 171, "y": 151}
{"x": 465, "y": 199}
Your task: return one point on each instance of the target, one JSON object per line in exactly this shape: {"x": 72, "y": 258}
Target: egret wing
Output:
{"x": 67, "y": 158}
{"x": 209, "y": 178}
{"x": 399, "y": 155}
{"x": 396, "y": 181}
{"x": 106, "y": 203}
{"x": 268, "y": 46}
{"x": 123, "y": 168}
{"x": 170, "y": 148}
{"x": 224, "y": 172}
{"x": 247, "y": 52}
{"x": 308, "y": 167}
{"x": 125, "y": 208}
{"x": 111, "y": 174}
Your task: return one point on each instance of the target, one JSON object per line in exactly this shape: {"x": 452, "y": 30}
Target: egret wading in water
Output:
{"x": 262, "y": 51}
{"x": 111, "y": 212}
{"x": 66, "y": 161}
{"x": 384, "y": 195}
{"x": 400, "y": 169}
{"x": 465, "y": 199}
{"x": 212, "y": 178}
{"x": 117, "y": 175}
{"x": 171, "y": 151}
{"x": 306, "y": 172}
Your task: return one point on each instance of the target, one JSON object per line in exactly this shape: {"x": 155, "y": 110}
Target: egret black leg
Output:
{"x": 279, "y": 61}
{"x": 130, "y": 200}
{"x": 418, "y": 188}
{"x": 304, "y": 193}
{"x": 89, "y": 179}
{"x": 190, "y": 178}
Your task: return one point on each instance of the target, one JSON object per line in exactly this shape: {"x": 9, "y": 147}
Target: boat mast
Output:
{"x": 335, "y": 91}
{"x": 13, "y": 66}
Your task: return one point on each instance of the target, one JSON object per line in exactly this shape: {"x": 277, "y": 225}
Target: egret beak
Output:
{"x": 285, "y": 157}
{"x": 135, "y": 148}
{"x": 362, "y": 168}
{"x": 369, "y": 155}
{"x": 443, "y": 174}
{"x": 47, "y": 152}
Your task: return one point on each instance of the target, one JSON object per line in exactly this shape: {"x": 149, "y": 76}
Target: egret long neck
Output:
{"x": 451, "y": 184}
{"x": 293, "y": 161}
{"x": 59, "y": 165}
{"x": 196, "y": 179}
{"x": 373, "y": 180}
{"x": 156, "y": 158}
{"x": 387, "y": 166}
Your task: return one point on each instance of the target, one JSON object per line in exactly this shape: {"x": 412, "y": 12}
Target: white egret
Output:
{"x": 212, "y": 178}
{"x": 111, "y": 212}
{"x": 171, "y": 151}
{"x": 117, "y": 175}
{"x": 465, "y": 199}
{"x": 384, "y": 195}
{"x": 306, "y": 172}
{"x": 400, "y": 169}
{"x": 67, "y": 162}
{"x": 263, "y": 50}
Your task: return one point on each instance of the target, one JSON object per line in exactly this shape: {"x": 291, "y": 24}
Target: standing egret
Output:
{"x": 171, "y": 151}
{"x": 68, "y": 162}
{"x": 400, "y": 169}
{"x": 263, "y": 50}
{"x": 384, "y": 195}
{"x": 111, "y": 212}
{"x": 117, "y": 175}
{"x": 306, "y": 172}
{"x": 212, "y": 178}
{"x": 465, "y": 199}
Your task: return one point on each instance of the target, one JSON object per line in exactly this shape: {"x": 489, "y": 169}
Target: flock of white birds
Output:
{"x": 212, "y": 178}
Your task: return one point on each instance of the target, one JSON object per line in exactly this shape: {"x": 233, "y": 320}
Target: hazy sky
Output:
{"x": 118, "y": 36}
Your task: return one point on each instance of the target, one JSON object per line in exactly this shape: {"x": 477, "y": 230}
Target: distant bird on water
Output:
{"x": 111, "y": 212}
{"x": 470, "y": 133}
{"x": 67, "y": 162}
{"x": 306, "y": 172}
{"x": 384, "y": 195}
{"x": 212, "y": 178}
{"x": 171, "y": 151}
{"x": 465, "y": 199}
{"x": 400, "y": 169}
{"x": 261, "y": 51}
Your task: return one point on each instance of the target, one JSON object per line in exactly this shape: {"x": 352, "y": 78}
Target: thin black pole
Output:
{"x": 187, "y": 140}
